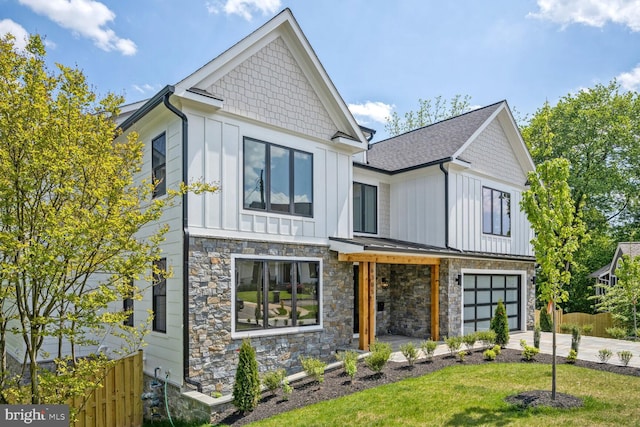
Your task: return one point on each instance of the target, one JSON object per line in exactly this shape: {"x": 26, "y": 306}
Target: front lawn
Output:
{"x": 474, "y": 395}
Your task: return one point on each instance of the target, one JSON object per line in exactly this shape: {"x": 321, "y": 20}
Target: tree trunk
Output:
{"x": 553, "y": 361}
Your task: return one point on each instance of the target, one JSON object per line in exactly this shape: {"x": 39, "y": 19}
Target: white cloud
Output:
{"x": 87, "y": 18}
{"x": 145, "y": 88}
{"x": 244, "y": 8}
{"x": 595, "y": 13}
{"x": 631, "y": 80}
{"x": 376, "y": 111}
{"x": 21, "y": 35}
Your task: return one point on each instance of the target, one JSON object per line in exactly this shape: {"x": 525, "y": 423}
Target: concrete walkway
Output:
{"x": 589, "y": 346}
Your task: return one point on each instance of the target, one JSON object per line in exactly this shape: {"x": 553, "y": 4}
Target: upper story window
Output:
{"x": 277, "y": 179}
{"x": 365, "y": 208}
{"x": 159, "y": 165}
{"x": 127, "y": 306}
{"x": 160, "y": 295}
{"x": 496, "y": 212}
{"x": 276, "y": 294}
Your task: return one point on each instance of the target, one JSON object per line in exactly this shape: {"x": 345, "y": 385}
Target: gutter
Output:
{"x": 185, "y": 242}
{"x": 446, "y": 203}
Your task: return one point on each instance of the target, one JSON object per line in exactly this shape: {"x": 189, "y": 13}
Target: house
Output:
{"x": 316, "y": 235}
{"x": 606, "y": 276}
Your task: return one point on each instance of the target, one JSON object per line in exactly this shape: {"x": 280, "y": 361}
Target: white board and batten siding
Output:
{"x": 216, "y": 155}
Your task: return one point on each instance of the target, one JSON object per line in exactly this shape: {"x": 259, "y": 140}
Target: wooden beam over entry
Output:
{"x": 378, "y": 258}
{"x": 366, "y": 304}
{"x": 435, "y": 302}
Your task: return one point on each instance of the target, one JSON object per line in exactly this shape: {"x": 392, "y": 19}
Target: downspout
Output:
{"x": 446, "y": 204}
{"x": 185, "y": 244}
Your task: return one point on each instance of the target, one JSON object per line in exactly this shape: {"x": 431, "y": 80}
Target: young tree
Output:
{"x": 559, "y": 229}
{"x": 621, "y": 299}
{"x": 246, "y": 389}
{"x": 500, "y": 324}
{"x": 70, "y": 212}
{"x": 428, "y": 112}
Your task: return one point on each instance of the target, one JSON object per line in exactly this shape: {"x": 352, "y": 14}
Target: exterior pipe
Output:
{"x": 185, "y": 242}
{"x": 446, "y": 205}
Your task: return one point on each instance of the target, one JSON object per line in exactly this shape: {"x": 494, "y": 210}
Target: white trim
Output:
{"x": 275, "y": 331}
{"x": 523, "y": 292}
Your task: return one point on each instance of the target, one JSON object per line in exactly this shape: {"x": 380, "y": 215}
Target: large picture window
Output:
{"x": 272, "y": 294}
{"x": 159, "y": 165}
{"x": 496, "y": 212}
{"x": 277, "y": 179}
{"x": 365, "y": 208}
{"x": 160, "y": 295}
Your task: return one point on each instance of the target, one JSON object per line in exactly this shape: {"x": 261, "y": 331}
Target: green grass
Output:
{"x": 474, "y": 395}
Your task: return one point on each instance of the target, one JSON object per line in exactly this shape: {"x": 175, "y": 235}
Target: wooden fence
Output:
{"x": 600, "y": 321}
{"x": 118, "y": 402}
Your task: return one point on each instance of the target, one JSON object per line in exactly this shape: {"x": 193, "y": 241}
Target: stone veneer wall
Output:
{"x": 451, "y": 291}
{"x": 213, "y": 353}
{"x": 410, "y": 293}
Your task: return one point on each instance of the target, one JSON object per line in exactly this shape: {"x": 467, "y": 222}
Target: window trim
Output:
{"x": 268, "y": 332}
{"x": 363, "y": 203}
{"x": 159, "y": 166}
{"x": 267, "y": 179}
{"x": 491, "y": 233}
{"x": 162, "y": 265}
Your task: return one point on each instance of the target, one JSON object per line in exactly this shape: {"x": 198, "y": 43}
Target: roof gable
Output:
{"x": 287, "y": 83}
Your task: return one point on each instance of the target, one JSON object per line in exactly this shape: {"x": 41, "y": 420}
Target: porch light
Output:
{"x": 384, "y": 283}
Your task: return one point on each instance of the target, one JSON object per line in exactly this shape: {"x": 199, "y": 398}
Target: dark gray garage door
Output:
{"x": 481, "y": 295}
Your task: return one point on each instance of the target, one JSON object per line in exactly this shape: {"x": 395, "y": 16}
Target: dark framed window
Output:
{"x": 160, "y": 295}
{"x": 481, "y": 295}
{"x": 365, "y": 208}
{"x": 127, "y": 306}
{"x": 496, "y": 212}
{"x": 276, "y": 294}
{"x": 159, "y": 164}
{"x": 277, "y": 179}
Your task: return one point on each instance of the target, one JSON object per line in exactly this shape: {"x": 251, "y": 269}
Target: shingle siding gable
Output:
{"x": 271, "y": 87}
{"x": 492, "y": 154}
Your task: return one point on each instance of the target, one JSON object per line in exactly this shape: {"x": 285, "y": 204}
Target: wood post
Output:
{"x": 366, "y": 304}
{"x": 435, "y": 302}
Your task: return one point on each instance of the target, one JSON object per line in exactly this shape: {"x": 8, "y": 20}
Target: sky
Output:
{"x": 382, "y": 56}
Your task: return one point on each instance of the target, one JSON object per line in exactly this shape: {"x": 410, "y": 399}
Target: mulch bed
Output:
{"x": 337, "y": 384}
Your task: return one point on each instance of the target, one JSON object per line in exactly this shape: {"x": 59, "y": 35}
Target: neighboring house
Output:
{"x": 304, "y": 247}
{"x": 606, "y": 276}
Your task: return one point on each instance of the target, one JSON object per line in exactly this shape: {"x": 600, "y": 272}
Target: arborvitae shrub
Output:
{"x": 546, "y": 323}
{"x": 246, "y": 389}
{"x": 575, "y": 338}
{"x": 536, "y": 336}
{"x": 500, "y": 324}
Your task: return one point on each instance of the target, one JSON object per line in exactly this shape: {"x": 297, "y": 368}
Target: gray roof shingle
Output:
{"x": 434, "y": 142}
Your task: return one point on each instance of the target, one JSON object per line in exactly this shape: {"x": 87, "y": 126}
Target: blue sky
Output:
{"x": 381, "y": 55}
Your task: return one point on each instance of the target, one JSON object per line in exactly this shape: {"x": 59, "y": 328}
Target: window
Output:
{"x": 481, "y": 296}
{"x": 160, "y": 295}
{"x": 159, "y": 165}
{"x": 496, "y": 212}
{"x": 365, "y": 208}
{"x": 127, "y": 305}
{"x": 277, "y": 179}
{"x": 276, "y": 294}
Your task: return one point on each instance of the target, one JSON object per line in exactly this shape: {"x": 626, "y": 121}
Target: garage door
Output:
{"x": 481, "y": 295}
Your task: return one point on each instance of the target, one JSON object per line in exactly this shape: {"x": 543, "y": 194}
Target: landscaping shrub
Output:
{"x": 536, "y": 336}
{"x": 488, "y": 338}
{"x": 286, "y": 389}
{"x": 572, "y": 357}
{"x": 246, "y": 388}
{"x": 428, "y": 348}
{"x": 617, "y": 333}
{"x": 567, "y": 328}
{"x": 273, "y": 380}
{"x": 378, "y": 357}
{"x": 410, "y": 352}
{"x": 575, "y": 338}
{"x": 604, "y": 355}
{"x": 489, "y": 354}
{"x": 349, "y": 360}
{"x": 546, "y": 322}
{"x": 587, "y": 329}
{"x": 461, "y": 355}
{"x": 469, "y": 341}
{"x": 497, "y": 349}
{"x": 453, "y": 343}
{"x": 528, "y": 352}
{"x": 625, "y": 356}
{"x": 313, "y": 367}
{"x": 500, "y": 324}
